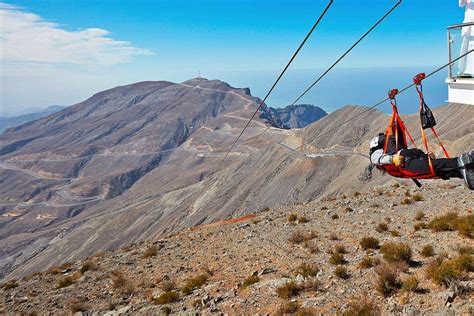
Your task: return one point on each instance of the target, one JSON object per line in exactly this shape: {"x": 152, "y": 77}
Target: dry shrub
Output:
{"x": 118, "y": 279}
{"x": 194, "y": 283}
{"x": 417, "y": 197}
{"x": 307, "y": 270}
{"x": 88, "y": 266}
{"x": 167, "y": 298}
{"x": 410, "y": 284}
{"x": 340, "y": 249}
{"x": 311, "y": 246}
{"x": 341, "y": 272}
{"x": 78, "y": 305}
{"x": 288, "y": 290}
{"x": 297, "y": 237}
{"x": 357, "y": 193}
{"x": 444, "y": 272}
{"x": 368, "y": 262}
{"x": 334, "y": 216}
{"x": 361, "y": 307}
{"x": 165, "y": 311}
{"x": 419, "y": 215}
{"x": 419, "y": 226}
{"x": 310, "y": 235}
{"x": 406, "y": 201}
{"x": 427, "y": 251}
{"x": 168, "y": 285}
{"x": 396, "y": 252}
{"x": 388, "y": 281}
{"x": 348, "y": 210}
{"x": 466, "y": 250}
{"x": 395, "y": 233}
{"x": 288, "y": 308}
{"x": 10, "y": 285}
{"x": 337, "y": 259}
{"x": 294, "y": 308}
{"x": 381, "y": 227}
{"x": 369, "y": 243}
{"x": 55, "y": 270}
{"x": 451, "y": 221}
{"x": 446, "y": 222}
{"x": 311, "y": 285}
{"x": 64, "y": 282}
{"x": 292, "y": 218}
{"x": 379, "y": 191}
{"x": 151, "y": 251}
{"x": 303, "y": 219}
{"x": 333, "y": 236}
{"x": 250, "y": 280}
{"x": 466, "y": 226}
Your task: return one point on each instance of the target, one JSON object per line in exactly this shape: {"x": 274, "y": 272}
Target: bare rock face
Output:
{"x": 293, "y": 116}
{"x": 140, "y": 161}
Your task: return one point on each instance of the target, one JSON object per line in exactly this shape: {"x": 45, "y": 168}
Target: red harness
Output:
{"x": 397, "y": 126}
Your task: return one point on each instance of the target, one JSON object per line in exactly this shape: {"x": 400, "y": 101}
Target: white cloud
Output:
{"x": 27, "y": 37}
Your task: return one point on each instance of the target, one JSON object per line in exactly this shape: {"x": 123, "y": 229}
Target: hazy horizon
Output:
{"x": 354, "y": 86}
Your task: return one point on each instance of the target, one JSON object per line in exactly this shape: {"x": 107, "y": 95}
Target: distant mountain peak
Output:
{"x": 293, "y": 116}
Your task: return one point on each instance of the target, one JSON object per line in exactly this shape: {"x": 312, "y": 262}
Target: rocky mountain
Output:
{"x": 12, "y": 121}
{"x": 140, "y": 161}
{"x": 293, "y": 116}
{"x": 392, "y": 250}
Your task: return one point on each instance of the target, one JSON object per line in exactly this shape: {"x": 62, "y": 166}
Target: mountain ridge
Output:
{"x": 139, "y": 187}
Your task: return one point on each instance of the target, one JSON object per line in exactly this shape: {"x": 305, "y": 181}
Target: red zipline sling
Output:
{"x": 397, "y": 126}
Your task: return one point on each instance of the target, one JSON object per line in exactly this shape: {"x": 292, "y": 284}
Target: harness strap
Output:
{"x": 419, "y": 88}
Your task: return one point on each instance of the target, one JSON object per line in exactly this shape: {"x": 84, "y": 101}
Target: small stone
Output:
{"x": 299, "y": 278}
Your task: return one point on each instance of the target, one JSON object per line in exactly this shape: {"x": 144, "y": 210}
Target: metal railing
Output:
{"x": 454, "y": 40}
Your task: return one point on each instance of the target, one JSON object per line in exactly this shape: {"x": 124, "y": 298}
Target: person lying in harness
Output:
{"x": 415, "y": 162}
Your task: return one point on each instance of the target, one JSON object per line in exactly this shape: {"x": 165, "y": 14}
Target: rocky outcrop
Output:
{"x": 293, "y": 116}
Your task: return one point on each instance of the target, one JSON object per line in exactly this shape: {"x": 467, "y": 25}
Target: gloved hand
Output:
{"x": 398, "y": 160}
{"x": 432, "y": 155}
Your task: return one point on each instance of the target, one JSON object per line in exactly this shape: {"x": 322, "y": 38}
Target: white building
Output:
{"x": 461, "y": 73}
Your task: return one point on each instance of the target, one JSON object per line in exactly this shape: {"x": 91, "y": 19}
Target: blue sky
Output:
{"x": 243, "y": 42}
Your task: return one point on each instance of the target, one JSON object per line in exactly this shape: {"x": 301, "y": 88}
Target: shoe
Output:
{"x": 466, "y": 162}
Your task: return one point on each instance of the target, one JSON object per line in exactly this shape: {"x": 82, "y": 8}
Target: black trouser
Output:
{"x": 417, "y": 161}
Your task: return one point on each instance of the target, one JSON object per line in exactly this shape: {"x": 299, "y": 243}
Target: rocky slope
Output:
{"x": 147, "y": 181}
{"x": 283, "y": 261}
{"x": 293, "y": 116}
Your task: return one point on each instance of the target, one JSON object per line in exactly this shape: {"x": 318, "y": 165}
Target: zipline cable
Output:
{"x": 348, "y": 51}
{"x": 386, "y": 99}
{"x": 341, "y": 58}
{"x": 278, "y": 79}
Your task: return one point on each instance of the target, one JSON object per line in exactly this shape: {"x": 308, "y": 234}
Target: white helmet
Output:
{"x": 374, "y": 142}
